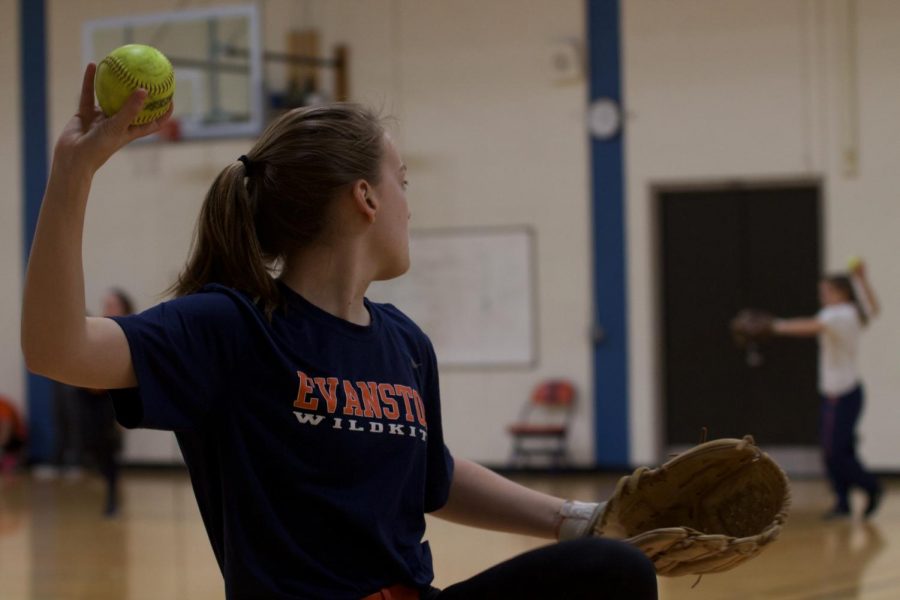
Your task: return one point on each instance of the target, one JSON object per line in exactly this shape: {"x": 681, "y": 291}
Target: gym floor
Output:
{"x": 55, "y": 544}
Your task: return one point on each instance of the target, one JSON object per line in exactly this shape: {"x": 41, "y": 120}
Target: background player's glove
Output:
{"x": 751, "y": 326}
{"x": 704, "y": 511}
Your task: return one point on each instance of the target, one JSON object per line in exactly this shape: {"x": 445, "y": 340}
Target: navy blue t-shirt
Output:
{"x": 314, "y": 445}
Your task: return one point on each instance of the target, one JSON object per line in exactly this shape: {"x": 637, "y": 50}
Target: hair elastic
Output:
{"x": 248, "y": 164}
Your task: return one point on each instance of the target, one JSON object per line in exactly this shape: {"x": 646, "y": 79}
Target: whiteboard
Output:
{"x": 471, "y": 290}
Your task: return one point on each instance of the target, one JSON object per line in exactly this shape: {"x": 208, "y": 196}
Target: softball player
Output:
{"x": 309, "y": 417}
{"x": 847, "y": 302}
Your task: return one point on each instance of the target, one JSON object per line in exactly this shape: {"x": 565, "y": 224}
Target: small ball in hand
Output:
{"x": 128, "y": 68}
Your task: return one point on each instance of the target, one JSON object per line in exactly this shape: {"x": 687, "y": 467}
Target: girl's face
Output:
{"x": 391, "y": 233}
{"x": 829, "y": 294}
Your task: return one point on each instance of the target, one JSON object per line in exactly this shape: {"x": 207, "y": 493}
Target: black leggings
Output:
{"x": 593, "y": 568}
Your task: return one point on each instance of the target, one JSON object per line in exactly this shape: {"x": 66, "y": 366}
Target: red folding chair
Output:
{"x": 543, "y": 425}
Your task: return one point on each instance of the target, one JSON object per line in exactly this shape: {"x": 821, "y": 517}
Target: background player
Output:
{"x": 838, "y": 326}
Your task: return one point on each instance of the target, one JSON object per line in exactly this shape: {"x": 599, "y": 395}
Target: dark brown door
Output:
{"x": 723, "y": 250}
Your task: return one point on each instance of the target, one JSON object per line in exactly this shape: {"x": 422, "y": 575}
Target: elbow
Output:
{"x": 34, "y": 361}
{"x": 29, "y": 354}
{"x": 38, "y": 359}
{"x": 50, "y": 353}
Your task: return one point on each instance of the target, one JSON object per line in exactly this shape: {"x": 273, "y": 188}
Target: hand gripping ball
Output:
{"x": 128, "y": 68}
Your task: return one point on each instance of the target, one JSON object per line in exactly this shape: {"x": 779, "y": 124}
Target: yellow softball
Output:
{"x": 128, "y": 68}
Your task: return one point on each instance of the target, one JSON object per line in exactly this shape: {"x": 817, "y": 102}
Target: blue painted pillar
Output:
{"x": 608, "y": 202}
{"x": 33, "y": 56}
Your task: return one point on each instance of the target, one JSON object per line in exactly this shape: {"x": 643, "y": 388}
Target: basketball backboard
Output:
{"x": 217, "y": 56}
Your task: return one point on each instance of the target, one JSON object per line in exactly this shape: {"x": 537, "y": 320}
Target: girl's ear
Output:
{"x": 364, "y": 199}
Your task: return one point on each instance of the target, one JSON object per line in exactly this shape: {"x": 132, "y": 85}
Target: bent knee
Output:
{"x": 616, "y": 565}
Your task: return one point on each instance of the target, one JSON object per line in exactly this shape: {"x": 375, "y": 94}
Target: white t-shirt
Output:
{"x": 838, "y": 349}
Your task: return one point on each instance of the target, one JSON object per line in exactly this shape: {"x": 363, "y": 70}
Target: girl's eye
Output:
{"x": 405, "y": 184}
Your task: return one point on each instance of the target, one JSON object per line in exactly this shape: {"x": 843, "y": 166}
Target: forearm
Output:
{"x": 869, "y": 298}
{"x": 481, "y": 498}
{"x": 805, "y": 327}
{"x": 873, "y": 299}
{"x": 53, "y": 309}
{"x": 58, "y": 339}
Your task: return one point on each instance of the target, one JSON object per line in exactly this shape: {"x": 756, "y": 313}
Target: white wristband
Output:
{"x": 577, "y": 518}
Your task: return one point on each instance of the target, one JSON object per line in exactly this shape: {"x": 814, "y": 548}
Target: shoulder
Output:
{"x": 213, "y": 307}
{"x": 842, "y": 311}
{"x": 839, "y": 314}
{"x": 395, "y": 319}
{"x": 219, "y": 301}
{"x": 212, "y": 300}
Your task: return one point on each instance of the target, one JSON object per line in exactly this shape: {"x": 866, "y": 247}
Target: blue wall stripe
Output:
{"x": 34, "y": 175}
{"x": 611, "y": 353}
